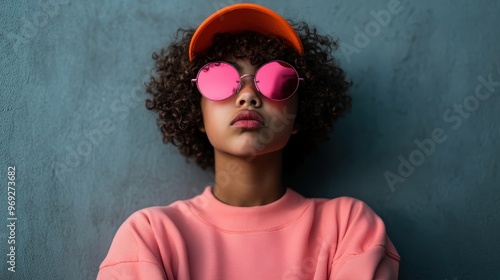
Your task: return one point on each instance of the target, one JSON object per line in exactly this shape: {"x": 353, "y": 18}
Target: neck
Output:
{"x": 243, "y": 182}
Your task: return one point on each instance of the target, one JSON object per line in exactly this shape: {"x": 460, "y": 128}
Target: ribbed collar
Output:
{"x": 272, "y": 216}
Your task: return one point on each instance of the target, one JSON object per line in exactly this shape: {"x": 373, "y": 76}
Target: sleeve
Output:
{"x": 364, "y": 250}
{"x": 134, "y": 252}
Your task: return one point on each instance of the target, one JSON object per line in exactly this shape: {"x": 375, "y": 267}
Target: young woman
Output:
{"x": 248, "y": 95}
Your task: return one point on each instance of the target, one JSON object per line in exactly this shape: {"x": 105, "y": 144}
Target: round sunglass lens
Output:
{"x": 277, "y": 80}
{"x": 218, "y": 80}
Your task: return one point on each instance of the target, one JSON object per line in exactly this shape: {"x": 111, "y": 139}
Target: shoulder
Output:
{"x": 353, "y": 223}
{"x": 157, "y": 216}
{"x": 145, "y": 230}
{"x": 345, "y": 201}
{"x": 360, "y": 244}
{"x": 345, "y": 208}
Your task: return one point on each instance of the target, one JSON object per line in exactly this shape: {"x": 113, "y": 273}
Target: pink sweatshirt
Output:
{"x": 291, "y": 238}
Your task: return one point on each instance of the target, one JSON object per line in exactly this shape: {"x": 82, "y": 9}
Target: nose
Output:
{"x": 248, "y": 94}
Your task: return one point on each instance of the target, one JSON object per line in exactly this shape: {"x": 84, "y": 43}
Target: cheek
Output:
{"x": 214, "y": 118}
{"x": 284, "y": 113}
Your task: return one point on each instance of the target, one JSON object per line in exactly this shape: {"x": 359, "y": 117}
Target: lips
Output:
{"x": 248, "y": 115}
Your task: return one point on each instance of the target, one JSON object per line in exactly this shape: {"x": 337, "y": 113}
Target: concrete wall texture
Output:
{"x": 421, "y": 145}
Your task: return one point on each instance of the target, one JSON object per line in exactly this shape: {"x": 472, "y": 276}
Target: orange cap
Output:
{"x": 242, "y": 17}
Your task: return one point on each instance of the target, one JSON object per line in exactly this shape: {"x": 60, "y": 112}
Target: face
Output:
{"x": 248, "y": 138}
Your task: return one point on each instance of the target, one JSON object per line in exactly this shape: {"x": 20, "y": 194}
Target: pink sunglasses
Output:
{"x": 276, "y": 80}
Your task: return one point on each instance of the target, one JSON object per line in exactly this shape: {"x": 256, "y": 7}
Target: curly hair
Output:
{"x": 322, "y": 98}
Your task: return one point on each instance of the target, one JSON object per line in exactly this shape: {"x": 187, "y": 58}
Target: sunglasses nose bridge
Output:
{"x": 248, "y": 92}
{"x": 248, "y": 75}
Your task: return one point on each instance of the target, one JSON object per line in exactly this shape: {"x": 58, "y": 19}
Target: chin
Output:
{"x": 250, "y": 147}
{"x": 251, "y": 153}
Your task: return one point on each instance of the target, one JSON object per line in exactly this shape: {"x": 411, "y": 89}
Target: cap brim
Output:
{"x": 242, "y": 17}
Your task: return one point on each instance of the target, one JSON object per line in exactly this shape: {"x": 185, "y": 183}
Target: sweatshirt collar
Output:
{"x": 271, "y": 216}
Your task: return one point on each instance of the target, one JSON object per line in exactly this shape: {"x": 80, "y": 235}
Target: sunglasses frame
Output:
{"x": 299, "y": 79}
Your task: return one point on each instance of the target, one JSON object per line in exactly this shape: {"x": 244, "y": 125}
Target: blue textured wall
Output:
{"x": 87, "y": 153}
